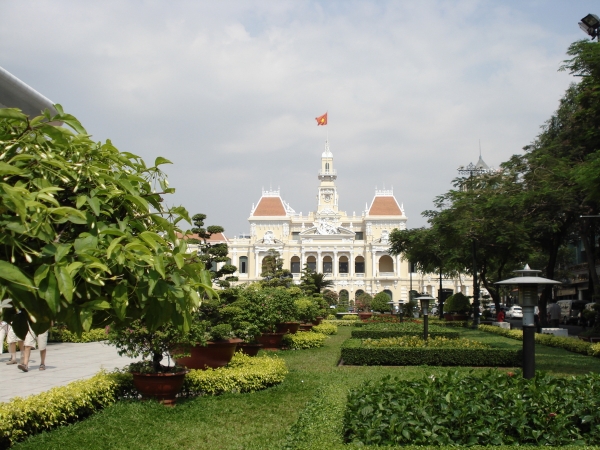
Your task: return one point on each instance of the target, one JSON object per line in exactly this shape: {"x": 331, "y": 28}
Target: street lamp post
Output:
{"x": 527, "y": 281}
{"x": 424, "y": 299}
{"x": 590, "y": 24}
{"x": 471, "y": 170}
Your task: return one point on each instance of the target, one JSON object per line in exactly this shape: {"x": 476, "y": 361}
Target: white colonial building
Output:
{"x": 351, "y": 249}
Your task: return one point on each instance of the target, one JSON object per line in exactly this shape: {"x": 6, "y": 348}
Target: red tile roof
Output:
{"x": 270, "y": 206}
{"x": 385, "y": 206}
{"x": 217, "y": 237}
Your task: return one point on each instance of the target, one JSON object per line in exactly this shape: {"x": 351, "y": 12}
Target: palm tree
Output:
{"x": 314, "y": 282}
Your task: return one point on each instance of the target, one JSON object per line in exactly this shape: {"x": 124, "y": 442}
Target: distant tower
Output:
{"x": 328, "y": 197}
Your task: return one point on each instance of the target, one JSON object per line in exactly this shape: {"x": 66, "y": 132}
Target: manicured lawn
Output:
{"x": 260, "y": 420}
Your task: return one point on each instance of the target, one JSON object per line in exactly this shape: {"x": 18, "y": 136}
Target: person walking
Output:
{"x": 12, "y": 339}
{"x": 30, "y": 341}
{"x": 554, "y": 312}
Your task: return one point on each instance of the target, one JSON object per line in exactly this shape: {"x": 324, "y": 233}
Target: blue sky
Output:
{"x": 229, "y": 90}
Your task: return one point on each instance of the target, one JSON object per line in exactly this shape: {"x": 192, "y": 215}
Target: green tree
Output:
{"x": 380, "y": 303}
{"x": 273, "y": 273}
{"x": 85, "y": 237}
{"x": 213, "y": 254}
{"x": 314, "y": 282}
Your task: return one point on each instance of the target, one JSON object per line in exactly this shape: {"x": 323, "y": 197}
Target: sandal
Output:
{"x": 42, "y": 366}
{"x": 12, "y": 361}
{"x": 23, "y": 367}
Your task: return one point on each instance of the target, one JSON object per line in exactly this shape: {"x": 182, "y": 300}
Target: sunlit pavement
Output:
{"x": 65, "y": 362}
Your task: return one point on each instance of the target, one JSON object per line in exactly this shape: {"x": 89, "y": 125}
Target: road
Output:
{"x": 574, "y": 330}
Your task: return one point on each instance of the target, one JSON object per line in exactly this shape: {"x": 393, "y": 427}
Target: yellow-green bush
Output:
{"x": 595, "y": 349}
{"x": 350, "y": 317}
{"x": 243, "y": 374}
{"x": 566, "y": 343}
{"x": 22, "y": 417}
{"x": 64, "y": 335}
{"x": 325, "y": 328}
{"x": 304, "y": 340}
{"x": 342, "y": 323}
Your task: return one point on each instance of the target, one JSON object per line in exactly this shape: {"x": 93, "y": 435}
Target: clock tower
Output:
{"x": 327, "y": 200}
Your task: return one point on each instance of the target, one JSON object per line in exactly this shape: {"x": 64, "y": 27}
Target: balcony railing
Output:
{"x": 386, "y": 274}
{"x": 359, "y": 275}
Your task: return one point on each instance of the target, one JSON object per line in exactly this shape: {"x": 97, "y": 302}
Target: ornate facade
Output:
{"x": 351, "y": 249}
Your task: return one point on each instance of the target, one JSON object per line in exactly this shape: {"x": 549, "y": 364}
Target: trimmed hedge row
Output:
{"x": 353, "y": 353}
{"x": 64, "y": 335}
{"x": 304, "y": 340}
{"x": 23, "y": 417}
{"x": 566, "y": 343}
{"x": 342, "y": 323}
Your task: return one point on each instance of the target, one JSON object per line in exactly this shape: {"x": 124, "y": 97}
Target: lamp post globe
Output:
{"x": 528, "y": 280}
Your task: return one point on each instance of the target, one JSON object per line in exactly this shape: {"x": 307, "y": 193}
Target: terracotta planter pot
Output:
{"x": 249, "y": 349}
{"x": 306, "y": 326}
{"x": 163, "y": 387}
{"x": 288, "y": 327}
{"x": 214, "y": 355}
{"x": 271, "y": 341}
{"x": 364, "y": 315}
{"x": 318, "y": 321}
{"x": 455, "y": 317}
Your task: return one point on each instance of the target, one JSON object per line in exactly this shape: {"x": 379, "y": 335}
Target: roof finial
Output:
{"x": 480, "y": 148}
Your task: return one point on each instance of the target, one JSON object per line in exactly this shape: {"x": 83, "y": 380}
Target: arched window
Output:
{"x": 389, "y": 294}
{"x": 344, "y": 296}
{"x": 311, "y": 262}
{"x": 359, "y": 264}
{"x": 243, "y": 264}
{"x": 386, "y": 264}
{"x": 343, "y": 264}
{"x": 295, "y": 264}
{"x": 327, "y": 264}
{"x": 326, "y": 167}
{"x": 358, "y": 293}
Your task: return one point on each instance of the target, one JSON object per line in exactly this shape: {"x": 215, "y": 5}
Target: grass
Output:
{"x": 263, "y": 419}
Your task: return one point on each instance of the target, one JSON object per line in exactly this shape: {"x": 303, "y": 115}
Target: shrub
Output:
{"x": 453, "y": 409}
{"x": 363, "y": 302}
{"x": 60, "y": 334}
{"x": 595, "y": 349}
{"x": 419, "y": 342}
{"x": 325, "y": 328}
{"x": 342, "y": 323}
{"x": 566, "y": 343}
{"x": 380, "y": 303}
{"x": 302, "y": 341}
{"x": 350, "y": 317}
{"x": 457, "y": 303}
{"x": 355, "y": 353}
{"x": 242, "y": 374}
{"x": 307, "y": 308}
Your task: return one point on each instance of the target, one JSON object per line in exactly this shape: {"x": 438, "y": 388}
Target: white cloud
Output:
{"x": 229, "y": 90}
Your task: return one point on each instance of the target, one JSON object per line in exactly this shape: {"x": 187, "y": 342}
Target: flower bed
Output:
{"x": 22, "y": 417}
{"x": 303, "y": 341}
{"x": 455, "y": 410}
{"x": 450, "y": 353}
{"x": 341, "y": 323}
{"x": 384, "y": 330}
{"x": 566, "y": 343}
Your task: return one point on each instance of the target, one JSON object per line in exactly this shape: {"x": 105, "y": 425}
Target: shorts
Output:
{"x": 42, "y": 340}
{"x": 12, "y": 338}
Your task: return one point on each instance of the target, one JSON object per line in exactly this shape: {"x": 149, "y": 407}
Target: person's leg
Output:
{"x": 12, "y": 349}
{"x": 42, "y": 340}
{"x": 29, "y": 344}
{"x": 3, "y": 329}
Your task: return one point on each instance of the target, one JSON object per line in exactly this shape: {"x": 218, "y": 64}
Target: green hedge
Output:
{"x": 566, "y": 343}
{"x": 385, "y": 330}
{"x": 353, "y": 353}
{"x": 488, "y": 408}
{"x": 342, "y": 323}
{"x": 325, "y": 328}
{"x": 64, "y": 335}
{"x": 23, "y": 417}
{"x": 304, "y": 340}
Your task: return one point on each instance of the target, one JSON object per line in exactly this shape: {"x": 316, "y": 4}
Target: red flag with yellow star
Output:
{"x": 321, "y": 120}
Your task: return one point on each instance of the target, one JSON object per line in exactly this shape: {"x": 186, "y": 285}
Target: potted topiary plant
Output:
{"x": 308, "y": 311}
{"x": 151, "y": 378}
{"x": 456, "y": 307}
{"x": 363, "y": 305}
{"x": 279, "y": 315}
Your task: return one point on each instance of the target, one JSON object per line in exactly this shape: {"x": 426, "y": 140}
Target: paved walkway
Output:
{"x": 65, "y": 362}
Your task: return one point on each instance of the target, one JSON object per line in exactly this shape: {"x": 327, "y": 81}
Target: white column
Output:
{"x": 374, "y": 268}
{"x": 351, "y": 265}
{"x": 335, "y": 268}
{"x": 257, "y": 270}
{"x": 319, "y": 262}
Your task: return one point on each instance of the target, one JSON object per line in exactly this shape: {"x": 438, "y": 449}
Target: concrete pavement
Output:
{"x": 65, "y": 362}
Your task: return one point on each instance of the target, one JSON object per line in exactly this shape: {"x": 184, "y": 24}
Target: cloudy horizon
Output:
{"x": 229, "y": 91}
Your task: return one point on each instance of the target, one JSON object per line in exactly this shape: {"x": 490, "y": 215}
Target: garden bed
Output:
{"x": 455, "y": 352}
